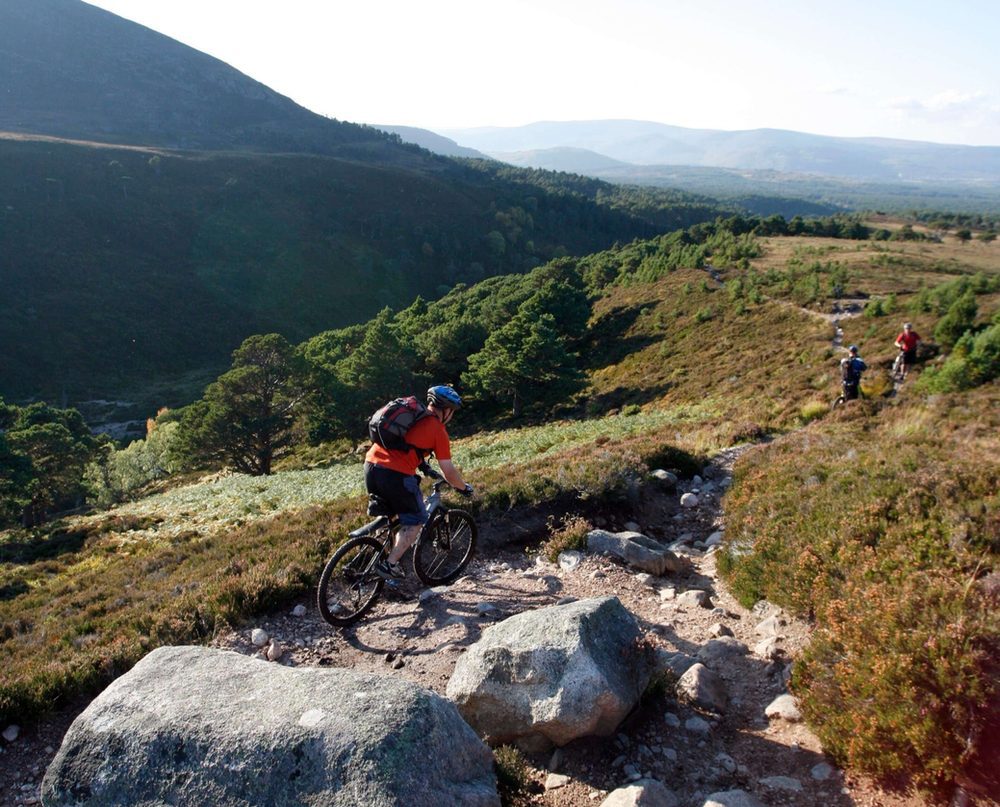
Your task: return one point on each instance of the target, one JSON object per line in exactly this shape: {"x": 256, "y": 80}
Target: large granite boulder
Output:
{"x": 195, "y": 726}
{"x": 636, "y": 550}
{"x": 549, "y": 676}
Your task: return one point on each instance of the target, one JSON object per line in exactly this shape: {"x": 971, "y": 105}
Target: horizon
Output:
{"x": 447, "y": 66}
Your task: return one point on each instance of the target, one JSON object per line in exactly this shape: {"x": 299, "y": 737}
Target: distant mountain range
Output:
{"x": 431, "y": 141}
{"x": 577, "y": 144}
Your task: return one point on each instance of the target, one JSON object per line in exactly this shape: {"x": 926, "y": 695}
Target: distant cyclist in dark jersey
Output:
{"x": 907, "y": 342}
{"x": 391, "y": 474}
{"x": 851, "y": 369}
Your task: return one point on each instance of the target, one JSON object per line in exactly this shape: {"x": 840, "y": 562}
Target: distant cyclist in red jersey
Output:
{"x": 907, "y": 342}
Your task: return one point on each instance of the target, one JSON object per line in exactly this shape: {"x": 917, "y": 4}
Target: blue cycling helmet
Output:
{"x": 443, "y": 395}
{"x": 852, "y": 349}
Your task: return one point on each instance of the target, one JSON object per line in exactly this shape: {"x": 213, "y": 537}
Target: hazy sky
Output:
{"x": 916, "y": 69}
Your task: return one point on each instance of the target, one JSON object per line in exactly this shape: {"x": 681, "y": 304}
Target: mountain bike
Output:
{"x": 896, "y": 373}
{"x": 349, "y": 586}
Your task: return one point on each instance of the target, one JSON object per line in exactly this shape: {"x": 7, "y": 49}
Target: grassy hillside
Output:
{"x": 129, "y": 266}
{"x": 878, "y": 521}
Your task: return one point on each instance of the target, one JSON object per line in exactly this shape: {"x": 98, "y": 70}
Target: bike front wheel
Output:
{"x": 349, "y": 586}
{"x": 444, "y": 548}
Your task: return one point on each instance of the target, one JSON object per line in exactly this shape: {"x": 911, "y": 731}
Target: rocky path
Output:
{"x": 418, "y": 634}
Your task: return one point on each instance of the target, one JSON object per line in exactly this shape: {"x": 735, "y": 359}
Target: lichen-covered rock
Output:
{"x": 196, "y": 726}
{"x": 635, "y": 549}
{"x": 552, "y": 675}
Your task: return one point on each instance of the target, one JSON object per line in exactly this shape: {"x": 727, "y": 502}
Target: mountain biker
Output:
{"x": 391, "y": 474}
{"x": 907, "y": 343}
{"x": 851, "y": 369}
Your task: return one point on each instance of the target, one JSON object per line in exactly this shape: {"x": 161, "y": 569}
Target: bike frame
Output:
{"x": 432, "y": 503}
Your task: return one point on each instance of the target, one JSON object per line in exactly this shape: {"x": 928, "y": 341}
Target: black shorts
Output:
{"x": 400, "y": 491}
{"x": 909, "y": 357}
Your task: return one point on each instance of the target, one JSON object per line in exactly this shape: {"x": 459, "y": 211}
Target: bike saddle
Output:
{"x": 377, "y": 506}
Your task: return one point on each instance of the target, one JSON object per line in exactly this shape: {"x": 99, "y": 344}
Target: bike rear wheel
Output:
{"x": 349, "y": 586}
{"x": 444, "y": 548}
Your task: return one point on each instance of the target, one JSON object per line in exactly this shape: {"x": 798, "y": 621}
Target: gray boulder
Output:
{"x": 551, "y": 675}
{"x": 636, "y": 550}
{"x": 642, "y": 793}
{"x": 703, "y": 688}
{"x": 195, "y": 726}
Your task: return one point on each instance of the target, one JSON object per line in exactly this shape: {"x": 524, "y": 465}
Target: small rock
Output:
{"x": 398, "y": 664}
{"x": 697, "y": 481}
{"x": 645, "y": 579}
{"x": 631, "y": 526}
{"x": 665, "y": 478}
{"x": 259, "y": 637}
{"x": 565, "y": 600}
{"x": 718, "y": 629}
{"x": 485, "y": 608}
{"x": 726, "y": 762}
{"x": 672, "y": 720}
{"x": 770, "y": 627}
{"x": 768, "y": 649}
{"x": 721, "y": 649}
{"x": 714, "y": 539}
{"x": 670, "y": 754}
{"x": 695, "y": 597}
{"x": 782, "y": 783}
{"x": 274, "y": 651}
{"x": 631, "y": 772}
{"x": 822, "y": 771}
{"x": 668, "y": 593}
{"x": 556, "y": 780}
{"x": 732, "y": 798}
{"x": 703, "y": 688}
{"x": 555, "y": 762}
{"x": 569, "y": 560}
{"x": 689, "y": 500}
{"x": 697, "y": 725}
{"x": 11, "y": 733}
{"x": 784, "y": 707}
{"x": 299, "y": 610}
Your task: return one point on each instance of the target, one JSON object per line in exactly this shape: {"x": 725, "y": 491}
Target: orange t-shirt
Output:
{"x": 428, "y": 434}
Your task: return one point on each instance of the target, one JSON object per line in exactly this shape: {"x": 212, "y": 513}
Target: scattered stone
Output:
{"x": 672, "y": 720}
{"x": 565, "y": 600}
{"x": 556, "y": 760}
{"x": 569, "y": 560}
{"x": 636, "y": 550}
{"x": 718, "y": 629}
{"x": 770, "y": 627}
{"x": 782, "y": 783}
{"x": 274, "y": 650}
{"x": 670, "y": 754}
{"x": 644, "y": 792}
{"x": 486, "y": 608}
{"x": 553, "y": 674}
{"x": 721, "y": 649}
{"x": 784, "y": 707}
{"x": 703, "y": 688}
{"x": 665, "y": 478}
{"x": 11, "y": 733}
{"x": 631, "y": 772}
{"x": 697, "y": 725}
{"x": 763, "y": 609}
{"x": 768, "y": 649}
{"x": 259, "y": 637}
{"x": 726, "y": 762}
{"x": 631, "y": 526}
{"x": 299, "y": 610}
{"x": 697, "y": 481}
{"x": 668, "y": 593}
{"x": 822, "y": 771}
{"x": 689, "y": 500}
{"x": 645, "y": 579}
{"x": 732, "y": 798}
{"x": 695, "y": 597}
{"x": 678, "y": 663}
{"x": 204, "y": 726}
{"x": 398, "y": 663}
{"x": 556, "y": 780}
{"x": 714, "y": 539}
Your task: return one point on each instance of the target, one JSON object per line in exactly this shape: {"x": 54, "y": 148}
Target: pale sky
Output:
{"x": 912, "y": 69}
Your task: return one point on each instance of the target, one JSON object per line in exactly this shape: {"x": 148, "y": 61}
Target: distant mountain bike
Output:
{"x": 896, "y": 373}
{"x": 349, "y": 587}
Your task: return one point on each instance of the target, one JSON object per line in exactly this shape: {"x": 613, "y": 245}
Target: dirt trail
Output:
{"x": 419, "y": 635}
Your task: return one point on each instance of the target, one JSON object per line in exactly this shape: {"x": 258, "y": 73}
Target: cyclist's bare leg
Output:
{"x": 405, "y": 538}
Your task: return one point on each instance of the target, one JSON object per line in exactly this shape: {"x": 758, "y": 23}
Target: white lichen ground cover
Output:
{"x": 221, "y": 501}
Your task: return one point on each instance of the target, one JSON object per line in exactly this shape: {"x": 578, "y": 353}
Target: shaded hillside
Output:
{"x": 128, "y": 265}
{"x": 73, "y": 70}
{"x": 648, "y": 143}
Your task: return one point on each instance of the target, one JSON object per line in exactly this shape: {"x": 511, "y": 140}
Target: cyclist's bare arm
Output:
{"x": 451, "y": 474}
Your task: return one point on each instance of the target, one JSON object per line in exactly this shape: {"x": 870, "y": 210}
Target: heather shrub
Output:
{"x": 567, "y": 534}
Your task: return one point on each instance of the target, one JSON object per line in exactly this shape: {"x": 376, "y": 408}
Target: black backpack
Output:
{"x": 389, "y": 425}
